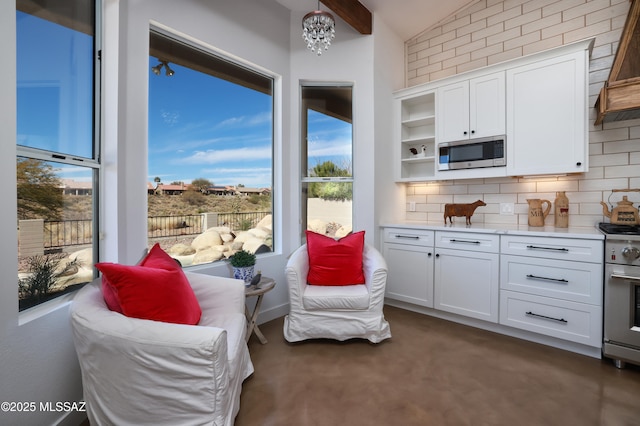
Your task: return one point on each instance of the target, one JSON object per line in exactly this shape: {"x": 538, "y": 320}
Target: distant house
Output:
{"x": 250, "y": 191}
{"x": 171, "y": 189}
{"x": 221, "y": 190}
{"x": 72, "y": 187}
{"x": 150, "y": 189}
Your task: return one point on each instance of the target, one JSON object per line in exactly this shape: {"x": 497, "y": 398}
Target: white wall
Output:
{"x": 388, "y": 76}
{"x": 37, "y": 358}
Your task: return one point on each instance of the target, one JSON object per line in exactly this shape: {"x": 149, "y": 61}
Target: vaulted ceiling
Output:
{"x": 406, "y": 17}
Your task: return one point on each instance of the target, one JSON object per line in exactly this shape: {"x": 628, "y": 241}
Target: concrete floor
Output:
{"x": 432, "y": 372}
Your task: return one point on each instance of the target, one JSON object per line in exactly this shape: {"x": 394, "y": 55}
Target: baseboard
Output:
{"x": 273, "y": 313}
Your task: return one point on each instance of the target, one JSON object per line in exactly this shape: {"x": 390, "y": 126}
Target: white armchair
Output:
{"x": 138, "y": 371}
{"x": 336, "y": 312}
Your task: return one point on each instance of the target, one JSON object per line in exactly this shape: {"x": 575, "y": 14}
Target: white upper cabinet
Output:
{"x": 472, "y": 108}
{"x": 547, "y": 120}
{"x": 540, "y": 102}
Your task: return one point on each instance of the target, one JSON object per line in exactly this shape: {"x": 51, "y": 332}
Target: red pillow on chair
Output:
{"x": 335, "y": 262}
{"x": 155, "y": 289}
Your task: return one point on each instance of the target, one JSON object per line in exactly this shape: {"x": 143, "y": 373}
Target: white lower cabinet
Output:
{"x": 549, "y": 286}
{"x": 466, "y": 274}
{"x": 576, "y": 322}
{"x": 553, "y": 286}
{"x": 409, "y": 256}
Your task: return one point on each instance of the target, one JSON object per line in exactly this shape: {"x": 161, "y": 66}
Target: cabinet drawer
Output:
{"x": 553, "y": 248}
{"x": 414, "y": 237}
{"x": 489, "y": 243}
{"x": 576, "y": 322}
{"x": 575, "y": 281}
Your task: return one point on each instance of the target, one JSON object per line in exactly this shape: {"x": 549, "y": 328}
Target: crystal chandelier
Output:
{"x": 318, "y": 29}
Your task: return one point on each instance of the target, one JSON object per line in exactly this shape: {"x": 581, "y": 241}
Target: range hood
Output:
{"x": 619, "y": 99}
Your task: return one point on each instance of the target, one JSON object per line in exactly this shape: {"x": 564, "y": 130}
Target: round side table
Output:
{"x": 266, "y": 284}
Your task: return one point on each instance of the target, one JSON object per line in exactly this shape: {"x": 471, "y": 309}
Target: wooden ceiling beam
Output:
{"x": 353, "y": 13}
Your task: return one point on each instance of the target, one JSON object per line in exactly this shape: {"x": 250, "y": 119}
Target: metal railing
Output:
{"x": 64, "y": 233}
{"x": 67, "y": 233}
{"x": 241, "y": 221}
{"x": 172, "y": 226}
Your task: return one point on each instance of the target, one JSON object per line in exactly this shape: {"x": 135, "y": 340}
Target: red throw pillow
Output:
{"x": 335, "y": 262}
{"x": 156, "y": 289}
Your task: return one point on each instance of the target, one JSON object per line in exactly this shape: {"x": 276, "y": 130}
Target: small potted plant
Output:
{"x": 243, "y": 263}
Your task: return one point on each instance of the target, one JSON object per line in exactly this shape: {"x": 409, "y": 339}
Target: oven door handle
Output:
{"x": 625, "y": 277}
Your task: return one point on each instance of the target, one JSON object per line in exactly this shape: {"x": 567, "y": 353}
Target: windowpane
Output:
{"x": 327, "y": 159}
{"x": 55, "y": 82}
{"x": 55, "y": 229}
{"x": 210, "y": 154}
{"x": 57, "y": 165}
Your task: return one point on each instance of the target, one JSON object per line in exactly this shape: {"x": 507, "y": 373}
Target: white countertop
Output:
{"x": 586, "y": 232}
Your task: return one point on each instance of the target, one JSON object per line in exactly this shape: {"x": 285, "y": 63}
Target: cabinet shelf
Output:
{"x": 419, "y": 121}
{"x": 417, "y": 132}
{"x": 418, "y": 159}
{"x": 418, "y": 140}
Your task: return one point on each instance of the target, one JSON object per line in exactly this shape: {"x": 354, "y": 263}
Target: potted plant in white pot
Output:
{"x": 243, "y": 263}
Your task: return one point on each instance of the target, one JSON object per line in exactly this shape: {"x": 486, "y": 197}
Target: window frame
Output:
{"x": 93, "y": 164}
{"x": 276, "y": 126}
{"x": 305, "y": 179}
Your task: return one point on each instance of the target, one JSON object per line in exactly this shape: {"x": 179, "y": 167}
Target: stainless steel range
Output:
{"x": 622, "y": 293}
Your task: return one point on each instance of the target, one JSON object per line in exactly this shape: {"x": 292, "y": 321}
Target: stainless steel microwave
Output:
{"x": 472, "y": 153}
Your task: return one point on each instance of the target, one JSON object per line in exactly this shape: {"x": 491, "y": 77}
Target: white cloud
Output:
{"x": 214, "y": 156}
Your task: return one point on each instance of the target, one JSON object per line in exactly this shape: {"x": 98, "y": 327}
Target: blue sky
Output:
{"x": 204, "y": 127}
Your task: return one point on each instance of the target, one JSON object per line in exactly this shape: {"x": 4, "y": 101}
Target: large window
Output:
{"x": 57, "y": 147}
{"x": 327, "y": 159}
{"x": 210, "y": 153}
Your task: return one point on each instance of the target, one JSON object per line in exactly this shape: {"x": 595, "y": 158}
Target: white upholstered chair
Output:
{"x": 336, "y": 312}
{"x": 138, "y": 371}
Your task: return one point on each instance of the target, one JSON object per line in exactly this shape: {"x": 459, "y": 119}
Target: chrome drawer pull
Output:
{"x": 464, "y": 241}
{"x": 411, "y": 237}
{"x": 546, "y": 317}
{"x": 625, "y": 277}
{"x": 546, "y": 248}
{"x": 535, "y": 277}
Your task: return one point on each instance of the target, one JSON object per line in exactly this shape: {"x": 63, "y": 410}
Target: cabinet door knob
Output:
{"x": 579, "y": 163}
{"x": 437, "y": 255}
{"x": 473, "y": 131}
{"x": 465, "y": 132}
{"x": 428, "y": 254}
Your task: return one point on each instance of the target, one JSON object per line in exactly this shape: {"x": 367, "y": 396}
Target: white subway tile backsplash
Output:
{"x": 498, "y": 198}
{"x": 557, "y": 186}
{"x": 602, "y": 184}
{"x": 440, "y": 199}
{"x": 523, "y": 19}
{"x": 486, "y": 12}
{"x": 491, "y": 31}
{"x": 621, "y": 146}
{"x": 622, "y": 172}
{"x": 484, "y": 188}
{"x": 585, "y": 9}
{"x": 507, "y": 188}
{"x": 620, "y": 159}
{"x": 618, "y": 134}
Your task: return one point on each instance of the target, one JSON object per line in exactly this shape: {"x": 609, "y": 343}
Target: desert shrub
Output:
{"x": 193, "y": 198}
{"x": 44, "y": 272}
